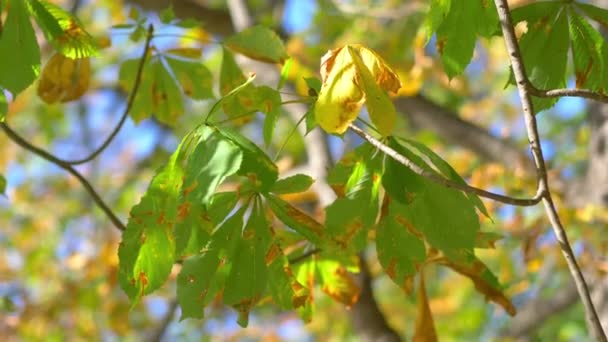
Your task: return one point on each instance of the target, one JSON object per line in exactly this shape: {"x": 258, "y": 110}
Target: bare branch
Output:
{"x": 584, "y": 93}
{"x": 164, "y": 324}
{"x": 439, "y": 179}
{"x": 51, "y": 158}
{"x": 522, "y": 82}
{"x": 125, "y": 114}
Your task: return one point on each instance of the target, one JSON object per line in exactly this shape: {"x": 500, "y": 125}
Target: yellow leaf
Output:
{"x": 381, "y": 109}
{"x": 64, "y": 79}
{"x": 348, "y": 83}
{"x": 425, "y": 328}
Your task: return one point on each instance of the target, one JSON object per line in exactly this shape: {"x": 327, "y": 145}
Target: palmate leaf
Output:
{"x": 259, "y": 43}
{"x": 256, "y": 165}
{"x": 249, "y": 100}
{"x": 147, "y": 251}
{"x": 63, "y": 30}
{"x": 456, "y": 46}
{"x": 18, "y": 70}
{"x": 547, "y": 36}
{"x": 160, "y": 89}
{"x": 201, "y": 278}
{"x": 247, "y": 280}
{"x": 399, "y": 250}
{"x": 446, "y": 217}
{"x": 212, "y": 160}
{"x": 588, "y": 51}
{"x": 349, "y": 219}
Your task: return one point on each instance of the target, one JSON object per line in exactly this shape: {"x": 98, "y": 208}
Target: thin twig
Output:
{"x": 125, "y": 114}
{"x": 439, "y": 179}
{"x": 51, "y": 158}
{"x": 584, "y": 93}
{"x": 522, "y": 82}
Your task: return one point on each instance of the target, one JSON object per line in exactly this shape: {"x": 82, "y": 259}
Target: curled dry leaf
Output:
{"x": 64, "y": 79}
{"x": 346, "y": 86}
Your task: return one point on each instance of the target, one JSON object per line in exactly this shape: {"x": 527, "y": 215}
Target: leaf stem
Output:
{"x": 125, "y": 114}
{"x": 524, "y": 89}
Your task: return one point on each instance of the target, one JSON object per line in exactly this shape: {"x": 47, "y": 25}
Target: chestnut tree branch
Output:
{"x": 522, "y": 83}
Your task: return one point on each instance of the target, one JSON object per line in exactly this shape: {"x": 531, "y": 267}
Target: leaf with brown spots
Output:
{"x": 345, "y": 88}
{"x": 296, "y": 219}
{"x": 485, "y": 282}
{"x": 147, "y": 251}
{"x": 400, "y": 252}
{"x": 425, "y": 327}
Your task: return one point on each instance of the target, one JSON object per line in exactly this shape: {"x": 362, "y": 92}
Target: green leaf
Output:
{"x": 379, "y": 105}
{"x": 547, "y": 36}
{"x": 259, "y": 43}
{"x": 444, "y": 216}
{"x": 438, "y": 10}
{"x": 286, "y": 291}
{"x": 199, "y": 280}
{"x": 349, "y": 219}
{"x": 471, "y": 18}
{"x": 313, "y": 83}
{"x": 166, "y": 96}
{"x": 18, "y": 70}
{"x": 589, "y": 52}
{"x": 284, "y": 73}
{"x": 294, "y": 184}
{"x": 222, "y": 204}
{"x": 232, "y": 78}
{"x": 3, "y": 105}
{"x": 63, "y": 30}
{"x": 311, "y": 121}
{"x": 248, "y": 276}
{"x": 143, "y": 105}
{"x": 2, "y": 185}
{"x": 399, "y": 250}
{"x": 208, "y": 166}
{"x": 268, "y": 101}
{"x": 449, "y": 172}
{"x": 456, "y": 45}
{"x": 297, "y": 220}
{"x": 256, "y": 165}
{"x": 159, "y": 92}
{"x": 147, "y": 250}
{"x": 401, "y": 183}
{"x": 193, "y": 77}
{"x": 167, "y": 15}
{"x": 596, "y": 13}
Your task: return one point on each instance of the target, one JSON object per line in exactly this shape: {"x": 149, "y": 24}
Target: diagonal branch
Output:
{"x": 441, "y": 180}
{"x": 69, "y": 168}
{"x": 125, "y": 114}
{"x": 522, "y": 82}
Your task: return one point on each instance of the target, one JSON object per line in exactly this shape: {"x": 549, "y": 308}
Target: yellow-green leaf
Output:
{"x": 259, "y": 43}
{"x": 379, "y": 105}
